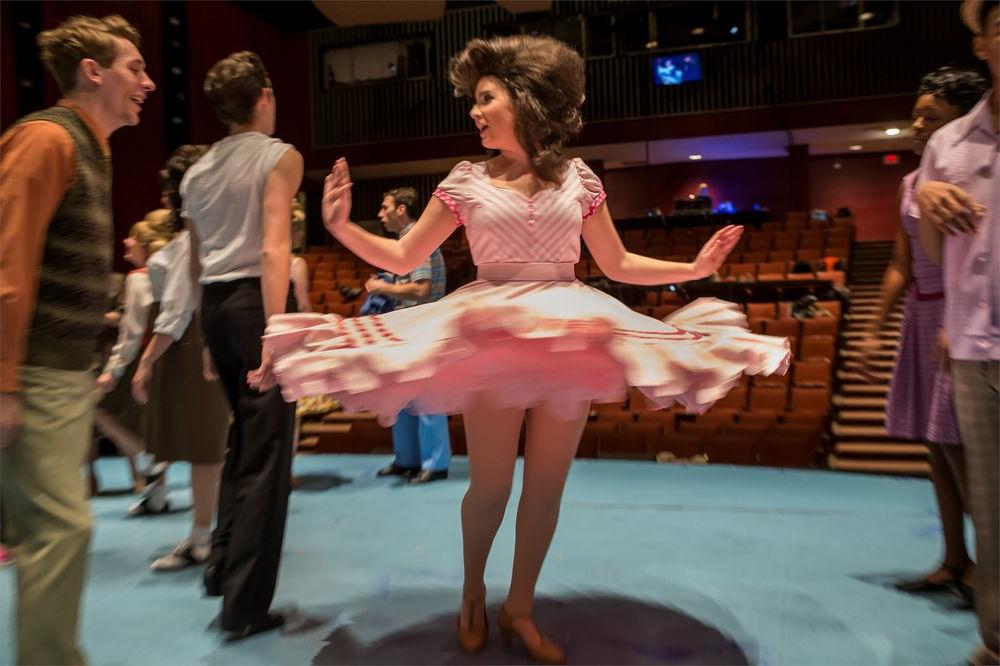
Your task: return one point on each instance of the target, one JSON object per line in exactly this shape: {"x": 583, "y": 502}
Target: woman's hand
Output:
{"x": 337, "y": 197}
{"x": 106, "y": 382}
{"x": 140, "y": 382}
{"x": 208, "y": 372}
{"x": 715, "y": 251}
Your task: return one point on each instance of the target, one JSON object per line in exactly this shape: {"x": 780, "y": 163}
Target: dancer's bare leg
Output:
{"x": 549, "y": 449}
{"x": 946, "y": 468}
{"x": 955, "y": 457}
{"x": 492, "y": 436}
{"x": 205, "y": 493}
{"x": 125, "y": 441}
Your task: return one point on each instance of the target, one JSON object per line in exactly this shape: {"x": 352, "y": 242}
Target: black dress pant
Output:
{"x": 256, "y": 477}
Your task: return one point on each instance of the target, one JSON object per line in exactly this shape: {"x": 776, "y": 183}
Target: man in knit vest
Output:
{"x": 237, "y": 198}
{"x": 56, "y": 240}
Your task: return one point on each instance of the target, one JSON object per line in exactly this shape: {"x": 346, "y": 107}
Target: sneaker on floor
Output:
{"x": 146, "y": 507}
{"x": 185, "y": 555}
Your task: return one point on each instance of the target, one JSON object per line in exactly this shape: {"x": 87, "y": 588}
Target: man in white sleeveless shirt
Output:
{"x": 237, "y": 198}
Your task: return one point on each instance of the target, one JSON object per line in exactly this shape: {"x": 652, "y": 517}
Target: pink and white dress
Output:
{"x": 526, "y": 332}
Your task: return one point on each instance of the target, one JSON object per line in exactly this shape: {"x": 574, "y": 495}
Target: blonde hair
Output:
{"x": 147, "y": 236}
{"x": 79, "y": 37}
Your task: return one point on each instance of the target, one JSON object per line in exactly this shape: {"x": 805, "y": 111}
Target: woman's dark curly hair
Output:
{"x": 171, "y": 176}
{"x": 961, "y": 88}
{"x": 546, "y": 80}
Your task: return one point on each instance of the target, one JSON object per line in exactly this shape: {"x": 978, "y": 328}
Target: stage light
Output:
{"x": 694, "y": 157}
{"x": 892, "y": 131}
{"x": 856, "y": 147}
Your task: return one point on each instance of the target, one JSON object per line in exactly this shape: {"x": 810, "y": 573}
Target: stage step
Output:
{"x": 841, "y": 431}
{"x": 859, "y": 402}
{"x": 847, "y": 376}
{"x": 885, "y": 449}
{"x": 852, "y": 388}
{"x": 860, "y": 416}
{"x": 898, "y": 467}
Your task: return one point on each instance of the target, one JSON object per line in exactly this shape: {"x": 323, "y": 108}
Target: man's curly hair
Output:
{"x": 546, "y": 80}
{"x": 233, "y": 86}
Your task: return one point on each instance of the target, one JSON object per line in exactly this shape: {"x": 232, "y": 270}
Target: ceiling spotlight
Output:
{"x": 892, "y": 131}
{"x": 652, "y": 45}
{"x": 733, "y": 30}
{"x": 698, "y": 31}
{"x": 857, "y": 147}
{"x": 696, "y": 156}
{"x": 836, "y": 164}
{"x": 866, "y": 16}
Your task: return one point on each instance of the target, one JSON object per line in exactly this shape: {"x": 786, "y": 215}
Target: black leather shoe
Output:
{"x": 393, "y": 469}
{"x": 426, "y": 476}
{"x": 212, "y": 581}
{"x": 267, "y": 623}
{"x": 965, "y": 593}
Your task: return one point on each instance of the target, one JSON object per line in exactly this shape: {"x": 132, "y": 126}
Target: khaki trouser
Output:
{"x": 46, "y": 514}
{"x": 978, "y": 405}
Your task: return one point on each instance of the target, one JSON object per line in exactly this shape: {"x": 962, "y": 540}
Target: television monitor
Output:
{"x": 676, "y": 68}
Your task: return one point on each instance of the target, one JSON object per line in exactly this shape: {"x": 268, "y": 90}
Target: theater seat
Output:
{"x": 682, "y": 445}
{"x": 820, "y": 326}
{"x": 735, "y": 399}
{"x": 765, "y": 397}
{"x": 810, "y": 399}
{"x": 814, "y": 347}
{"x": 731, "y": 449}
{"x": 812, "y": 373}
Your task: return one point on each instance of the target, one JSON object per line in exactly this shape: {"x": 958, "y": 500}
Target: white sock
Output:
{"x": 143, "y": 461}
{"x": 156, "y": 495}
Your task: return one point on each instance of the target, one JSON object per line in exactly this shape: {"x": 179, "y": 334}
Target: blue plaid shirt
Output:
{"x": 433, "y": 269}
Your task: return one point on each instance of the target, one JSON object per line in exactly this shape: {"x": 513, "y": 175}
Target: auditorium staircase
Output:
{"x": 860, "y": 442}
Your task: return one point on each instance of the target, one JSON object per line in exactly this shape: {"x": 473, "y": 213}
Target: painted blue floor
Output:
{"x": 651, "y": 564}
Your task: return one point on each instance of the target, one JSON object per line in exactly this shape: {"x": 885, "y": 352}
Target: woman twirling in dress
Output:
{"x": 525, "y": 341}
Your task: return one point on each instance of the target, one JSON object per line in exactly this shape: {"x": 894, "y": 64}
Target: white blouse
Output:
{"x": 170, "y": 276}
{"x": 132, "y": 326}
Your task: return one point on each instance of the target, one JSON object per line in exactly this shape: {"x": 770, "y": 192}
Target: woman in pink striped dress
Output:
{"x": 919, "y": 401}
{"x": 525, "y": 342}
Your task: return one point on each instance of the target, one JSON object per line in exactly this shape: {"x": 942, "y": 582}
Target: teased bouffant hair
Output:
{"x": 405, "y": 196}
{"x": 150, "y": 234}
{"x": 171, "y": 176}
{"x": 546, "y": 79}
{"x": 233, "y": 86}
{"x": 962, "y": 88}
{"x": 80, "y": 37}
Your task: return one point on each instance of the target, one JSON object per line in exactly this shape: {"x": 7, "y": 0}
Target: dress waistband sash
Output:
{"x": 511, "y": 272}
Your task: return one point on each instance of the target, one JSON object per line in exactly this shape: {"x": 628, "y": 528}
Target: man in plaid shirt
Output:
{"x": 421, "y": 442}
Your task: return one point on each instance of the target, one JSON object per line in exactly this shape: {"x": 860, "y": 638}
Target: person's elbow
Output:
{"x": 274, "y": 252}
{"x": 613, "y": 268}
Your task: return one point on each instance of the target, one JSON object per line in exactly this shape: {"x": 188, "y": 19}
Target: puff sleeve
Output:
{"x": 455, "y": 190}
{"x": 591, "y": 189}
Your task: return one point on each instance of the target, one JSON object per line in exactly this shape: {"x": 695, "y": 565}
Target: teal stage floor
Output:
{"x": 651, "y": 564}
